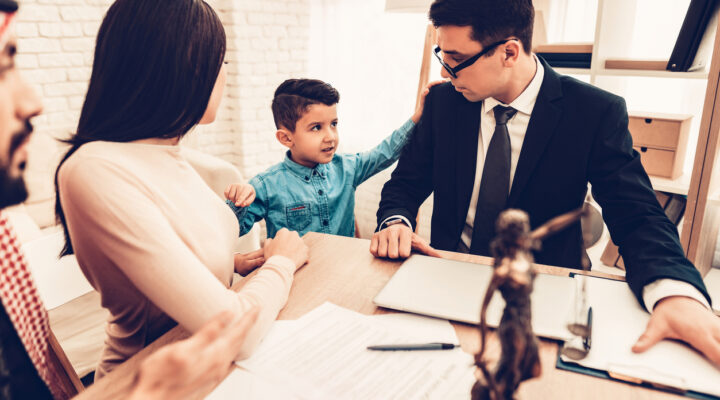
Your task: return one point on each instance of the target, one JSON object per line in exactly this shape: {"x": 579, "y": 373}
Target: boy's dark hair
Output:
{"x": 294, "y": 96}
{"x": 491, "y": 20}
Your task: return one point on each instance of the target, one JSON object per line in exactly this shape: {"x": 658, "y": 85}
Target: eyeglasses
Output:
{"x": 470, "y": 61}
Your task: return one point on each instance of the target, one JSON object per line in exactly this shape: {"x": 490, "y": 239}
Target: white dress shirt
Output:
{"x": 517, "y": 126}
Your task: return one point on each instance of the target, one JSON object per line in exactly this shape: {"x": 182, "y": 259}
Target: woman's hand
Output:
{"x": 192, "y": 367}
{"x": 248, "y": 262}
{"x": 288, "y": 243}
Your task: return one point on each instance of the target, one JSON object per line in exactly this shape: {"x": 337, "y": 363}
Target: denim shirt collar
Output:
{"x": 302, "y": 171}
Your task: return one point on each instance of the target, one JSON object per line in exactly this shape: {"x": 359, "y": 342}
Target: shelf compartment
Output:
{"x": 680, "y": 185}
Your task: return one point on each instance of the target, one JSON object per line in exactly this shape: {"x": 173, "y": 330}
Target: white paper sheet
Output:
{"x": 241, "y": 384}
{"x": 618, "y": 321}
{"x": 324, "y": 356}
{"x": 417, "y": 328}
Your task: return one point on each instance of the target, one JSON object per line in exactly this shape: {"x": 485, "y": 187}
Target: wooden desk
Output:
{"x": 343, "y": 271}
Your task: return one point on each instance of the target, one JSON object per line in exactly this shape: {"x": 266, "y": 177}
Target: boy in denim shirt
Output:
{"x": 313, "y": 189}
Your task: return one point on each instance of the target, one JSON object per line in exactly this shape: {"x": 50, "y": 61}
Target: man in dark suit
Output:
{"x": 509, "y": 132}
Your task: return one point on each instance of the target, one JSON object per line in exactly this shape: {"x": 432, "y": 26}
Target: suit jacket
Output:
{"x": 577, "y": 134}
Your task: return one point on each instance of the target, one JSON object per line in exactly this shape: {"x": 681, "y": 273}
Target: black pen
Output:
{"x": 588, "y": 338}
{"x": 420, "y": 346}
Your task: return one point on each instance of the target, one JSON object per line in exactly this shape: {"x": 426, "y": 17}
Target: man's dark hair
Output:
{"x": 294, "y": 96}
{"x": 491, "y": 20}
{"x": 156, "y": 63}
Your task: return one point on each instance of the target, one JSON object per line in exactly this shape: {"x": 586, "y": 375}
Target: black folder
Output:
{"x": 699, "y": 13}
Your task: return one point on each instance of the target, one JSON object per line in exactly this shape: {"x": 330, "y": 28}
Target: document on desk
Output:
{"x": 323, "y": 355}
{"x": 618, "y": 320}
{"x": 241, "y": 384}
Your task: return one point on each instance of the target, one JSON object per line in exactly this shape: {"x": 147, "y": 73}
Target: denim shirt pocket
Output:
{"x": 298, "y": 216}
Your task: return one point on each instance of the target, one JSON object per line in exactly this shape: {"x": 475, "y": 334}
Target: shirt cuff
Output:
{"x": 400, "y": 217}
{"x": 282, "y": 262}
{"x": 662, "y": 288}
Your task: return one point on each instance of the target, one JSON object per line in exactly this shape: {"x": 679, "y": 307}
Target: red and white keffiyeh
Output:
{"x": 22, "y": 301}
{"x": 7, "y": 21}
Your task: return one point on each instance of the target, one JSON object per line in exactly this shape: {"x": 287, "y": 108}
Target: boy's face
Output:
{"x": 315, "y": 139}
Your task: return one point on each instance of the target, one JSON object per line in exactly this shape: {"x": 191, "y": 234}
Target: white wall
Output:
{"x": 55, "y": 51}
{"x": 373, "y": 58}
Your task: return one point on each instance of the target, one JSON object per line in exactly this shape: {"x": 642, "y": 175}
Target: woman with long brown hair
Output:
{"x": 148, "y": 233}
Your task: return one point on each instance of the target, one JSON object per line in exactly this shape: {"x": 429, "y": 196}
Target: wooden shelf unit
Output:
{"x": 703, "y": 211}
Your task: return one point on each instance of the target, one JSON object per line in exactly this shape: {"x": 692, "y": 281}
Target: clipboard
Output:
{"x": 598, "y": 373}
{"x": 657, "y": 369}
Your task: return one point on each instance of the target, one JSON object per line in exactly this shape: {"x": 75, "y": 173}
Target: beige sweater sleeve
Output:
{"x": 114, "y": 220}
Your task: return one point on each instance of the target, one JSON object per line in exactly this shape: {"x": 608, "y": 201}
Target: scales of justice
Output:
{"x": 513, "y": 276}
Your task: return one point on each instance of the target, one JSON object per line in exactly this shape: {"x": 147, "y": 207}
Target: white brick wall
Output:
{"x": 267, "y": 43}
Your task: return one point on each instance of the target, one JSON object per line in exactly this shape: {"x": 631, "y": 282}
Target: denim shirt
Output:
{"x": 321, "y": 199}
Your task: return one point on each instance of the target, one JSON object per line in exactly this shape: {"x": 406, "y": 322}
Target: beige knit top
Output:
{"x": 156, "y": 242}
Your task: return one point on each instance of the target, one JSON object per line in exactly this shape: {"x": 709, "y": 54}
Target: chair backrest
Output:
{"x": 58, "y": 280}
{"x": 218, "y": 174}
{"x": 66, "y": 292}
{"x": 69, "y": 380}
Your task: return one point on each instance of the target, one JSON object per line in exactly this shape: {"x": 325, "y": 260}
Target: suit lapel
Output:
{"x": 543, "y": 123}
{"x": 466, "y": 131}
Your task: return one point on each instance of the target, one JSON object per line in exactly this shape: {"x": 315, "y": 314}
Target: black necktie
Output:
{"x": 495, "y": 183}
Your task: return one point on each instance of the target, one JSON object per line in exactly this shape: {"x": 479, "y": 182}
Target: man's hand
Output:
{"x": 246, "y": 263}
{"x": 192, "y": 367}
{"x": 242, "y": 194}
{"x": 287, "y": 243}
{"x": 396, "y": 241}
{"x": 683, "y": 318}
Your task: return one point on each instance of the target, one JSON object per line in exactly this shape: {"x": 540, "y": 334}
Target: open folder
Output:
{"x": 618, "y": 321}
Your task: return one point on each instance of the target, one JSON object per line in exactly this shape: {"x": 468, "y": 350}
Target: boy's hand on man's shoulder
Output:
{"x": 421, "y": 104}
{"x": 242, "y": 194}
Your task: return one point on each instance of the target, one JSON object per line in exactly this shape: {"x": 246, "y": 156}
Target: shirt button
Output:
{"x": 307, "y": 178}
{"x": 320, "y": 192}
{"x": 325, "y": 222}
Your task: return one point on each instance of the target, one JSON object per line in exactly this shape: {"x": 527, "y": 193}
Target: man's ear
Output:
{"x": 512, "y": 50}
{"x": 284, "y": 137}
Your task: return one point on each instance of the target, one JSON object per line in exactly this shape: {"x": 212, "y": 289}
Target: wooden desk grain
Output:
{"x": 343, "y": 271}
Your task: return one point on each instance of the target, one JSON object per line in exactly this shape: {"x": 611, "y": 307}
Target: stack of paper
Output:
{"x": 323, "y": 355}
